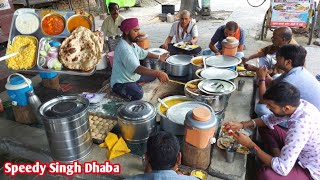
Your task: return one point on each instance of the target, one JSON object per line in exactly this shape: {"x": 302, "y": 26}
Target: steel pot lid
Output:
{"x": 235, "y": 41}
{"x": 218, "y": 73}
{"x": 157, "y": 51}
{"x": 222, "y": 61}
{"x": 64, "y": 106}
{"x": 136, "y": 111}
{"x": 191, "y": 122}
{"x": 177, "y": 113}
{"x": 180, "y": 59}
{"x": 216, "y": 86}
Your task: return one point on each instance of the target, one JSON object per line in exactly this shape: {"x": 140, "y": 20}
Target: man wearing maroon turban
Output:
{"x": 127, "y": 73}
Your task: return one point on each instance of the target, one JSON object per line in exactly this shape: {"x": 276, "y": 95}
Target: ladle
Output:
{"x": 163, "y": 103}
{"x": 192, "y": 86}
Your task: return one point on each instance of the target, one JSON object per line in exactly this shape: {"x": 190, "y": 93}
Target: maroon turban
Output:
{"x": 128, "y": 24}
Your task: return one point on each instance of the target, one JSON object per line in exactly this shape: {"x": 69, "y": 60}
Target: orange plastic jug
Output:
{"x": 199, "y": 127}
{"x": 230, "y": 46}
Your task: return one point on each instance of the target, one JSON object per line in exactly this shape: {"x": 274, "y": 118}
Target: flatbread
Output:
{"x": 225, "y": 142}
{"x": 243, "y": 150}
{"x": 82, "y": 50}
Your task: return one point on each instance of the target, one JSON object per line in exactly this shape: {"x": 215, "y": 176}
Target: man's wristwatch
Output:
{"x": 254, "y": 150}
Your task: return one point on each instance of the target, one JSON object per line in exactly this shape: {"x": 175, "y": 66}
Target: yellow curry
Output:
{"x": 198, "y": 62}
{"x": 170, "y": 103}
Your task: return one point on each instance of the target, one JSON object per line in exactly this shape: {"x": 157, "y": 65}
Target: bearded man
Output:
{"x": 127, "y": 73}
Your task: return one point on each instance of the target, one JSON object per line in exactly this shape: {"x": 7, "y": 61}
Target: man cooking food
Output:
{"x": 127, "y": 73}
{"x": 299, "y": 157}
{"x": 110, "y": 26}
{"x": 231, "y": 29}
{"x": 185, "y": 30}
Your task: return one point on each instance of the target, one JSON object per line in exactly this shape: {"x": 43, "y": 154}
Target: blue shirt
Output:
{"x": 307, "y": 84}
{"x": 162, "y": 174}
{"x": 219, "y": 36}
{"x": 125, "y": 62}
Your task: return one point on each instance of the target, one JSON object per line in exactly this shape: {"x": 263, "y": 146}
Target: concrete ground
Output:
{"x": 26, "y": 137}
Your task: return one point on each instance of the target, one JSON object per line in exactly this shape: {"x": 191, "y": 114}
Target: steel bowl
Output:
{"x": 53, "y": 14}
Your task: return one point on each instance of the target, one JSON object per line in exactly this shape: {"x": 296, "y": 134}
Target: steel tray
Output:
{"x": 39, "y": 35}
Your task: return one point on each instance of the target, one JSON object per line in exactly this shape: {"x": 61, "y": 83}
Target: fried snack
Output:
{"x": 26, "y": 59}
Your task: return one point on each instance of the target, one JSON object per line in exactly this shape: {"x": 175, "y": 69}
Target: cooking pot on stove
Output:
{"x": 178, "y": 65}
{"x": 217, "y": 100}
{"x": 137, "y": 120}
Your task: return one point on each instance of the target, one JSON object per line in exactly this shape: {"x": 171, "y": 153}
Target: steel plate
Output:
{"x": 218, "y": 73}
{"x": 222, "y": 61}
{"x": 216, "y": 86}
{"x": 157, "y": 51}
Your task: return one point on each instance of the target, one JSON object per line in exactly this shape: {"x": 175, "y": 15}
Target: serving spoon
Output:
{"x": 13, "y": 54}
{"x": 163, "y": 103}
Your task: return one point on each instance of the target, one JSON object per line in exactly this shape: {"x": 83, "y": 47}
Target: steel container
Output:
{"x": 196, "y": 65}
{"x": 178, "y": 65}
{"x": 165, "y": 123}
{"x": 66, "y": 124}
{"x": 176, "y": 116}
{"x": 217, "y": 102}
{"x": 137, "y": 120}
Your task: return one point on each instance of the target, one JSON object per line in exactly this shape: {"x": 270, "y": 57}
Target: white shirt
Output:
{"x": 192, "y": 31}
{"x": 302, "y": 142}
{"x": 110, "y": 27}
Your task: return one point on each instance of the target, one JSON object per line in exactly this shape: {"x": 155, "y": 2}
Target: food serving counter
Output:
{"x": 64, "y": 41}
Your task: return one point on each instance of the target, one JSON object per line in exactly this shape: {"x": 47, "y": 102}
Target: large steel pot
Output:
{"x": 165, "y": 123}
{"x": 178, "y": 65}
{"x": 217, "y": 102}
{"x": 65, "y": 120}
{"x": 137, "y": 120}
{"x": 196, "y": 64}
{"x": 176, "y": 116}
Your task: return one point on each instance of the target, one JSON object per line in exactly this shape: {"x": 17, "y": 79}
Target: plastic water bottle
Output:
{"x": 35, "y": 103}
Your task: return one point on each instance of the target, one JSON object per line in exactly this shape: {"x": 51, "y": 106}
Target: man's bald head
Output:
{"x": 185, "y": 13}
{"x": 282, "y": 36}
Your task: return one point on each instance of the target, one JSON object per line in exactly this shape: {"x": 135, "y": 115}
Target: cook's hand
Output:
{"x": 243, "y": 140}
{"x": 234, "y": 126}
{"x": 217, "y": 53}
{"x": 164, "y": 56}
{"x": 162, "y": 76}
{"x": 165, "y": 46}
{"x": 262, "y": 72}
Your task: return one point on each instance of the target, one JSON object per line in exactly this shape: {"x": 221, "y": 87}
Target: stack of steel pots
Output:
{"x": 66, "y": 124}
{"x": 217, "y": 101}
{"x": 137, "y": 120}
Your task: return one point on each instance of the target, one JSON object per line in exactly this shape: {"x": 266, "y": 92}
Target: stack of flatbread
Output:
{"x": 81, "y": 50}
